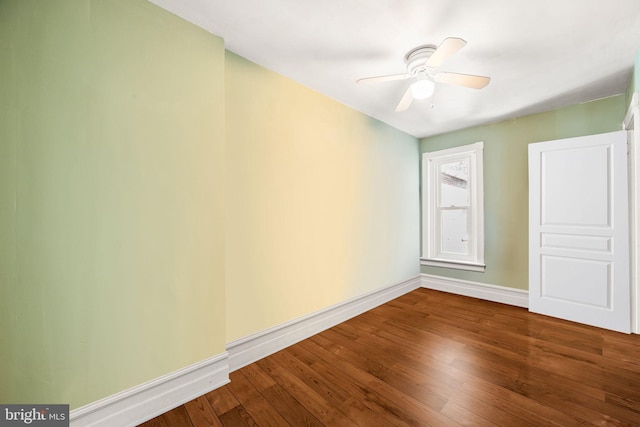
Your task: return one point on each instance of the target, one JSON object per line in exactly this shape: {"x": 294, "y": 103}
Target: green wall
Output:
{"x": 634, "y": 82}
{"x": 636, "y": 73}
{"x": 506, "y": 179}
{"x": 322, "y": 201}
{"x": 111, "y": 191}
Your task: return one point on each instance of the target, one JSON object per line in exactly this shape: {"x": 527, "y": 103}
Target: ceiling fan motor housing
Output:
{"x": 416, "y": 59}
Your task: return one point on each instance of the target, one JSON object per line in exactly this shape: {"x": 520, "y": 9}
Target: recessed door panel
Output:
{"x": 576, "y": 186}
{"x": 576, "y": 281}
{"x": 577, "y": 242}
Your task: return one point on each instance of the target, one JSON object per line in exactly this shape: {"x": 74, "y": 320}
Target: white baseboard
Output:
{"x": 141, "y": 403}
{"x": 501, "y": 294}
{"x": 247, "y": 350}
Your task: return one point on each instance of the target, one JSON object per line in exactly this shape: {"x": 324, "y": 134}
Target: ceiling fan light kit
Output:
{"x": 421, "y": 65}
{"x": 422, "y": 89}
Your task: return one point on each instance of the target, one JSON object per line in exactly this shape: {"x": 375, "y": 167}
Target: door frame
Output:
{"x": 632, "y": 125}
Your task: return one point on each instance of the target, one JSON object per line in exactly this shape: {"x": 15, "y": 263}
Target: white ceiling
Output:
{"x": 540, "y": 54}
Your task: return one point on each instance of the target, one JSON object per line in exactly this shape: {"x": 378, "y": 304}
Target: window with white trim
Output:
{"x": 452, "y": 208}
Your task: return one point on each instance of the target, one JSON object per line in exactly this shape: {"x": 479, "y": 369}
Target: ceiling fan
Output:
{"x": 421, "y": 64}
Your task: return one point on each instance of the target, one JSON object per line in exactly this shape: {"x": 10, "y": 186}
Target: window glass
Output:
{"x": 454, "y": 183}
{"x": 455, "y": 234}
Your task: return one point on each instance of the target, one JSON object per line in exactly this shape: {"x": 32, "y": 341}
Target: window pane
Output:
{"x": 455, "y": 234}
{"x": 454, "y": 180}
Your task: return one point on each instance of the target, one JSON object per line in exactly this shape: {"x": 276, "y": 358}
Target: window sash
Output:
{"x": 466, "y": 239}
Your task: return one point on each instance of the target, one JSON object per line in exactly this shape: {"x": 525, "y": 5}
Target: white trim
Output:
{"x": 432, "y": 209}
{"x": 630, "y": 112}
{"x": 631, "y": 124}
{"x": 501, "y": 294}
{"x": 450, "y": 264}
{"x": 247, "y": 350}
{"x": 148, "y": 400}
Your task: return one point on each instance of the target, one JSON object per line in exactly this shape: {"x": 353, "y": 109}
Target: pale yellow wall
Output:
{"x": 111, "y": 197}
{"x": 506, "y": 191}
{"x": 322, "y": 201}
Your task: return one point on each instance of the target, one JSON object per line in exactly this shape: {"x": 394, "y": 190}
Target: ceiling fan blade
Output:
{"x": 405, "y": 102}
{"x": 467, "y": 80}
{"x": 446, "y": 49}
{"x": 379, "y": 79}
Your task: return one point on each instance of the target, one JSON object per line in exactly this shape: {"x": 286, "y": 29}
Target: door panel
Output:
{"x": 582, "y": 281}
{"x": 578, "y": 230}
{"x": 576, "y": 186}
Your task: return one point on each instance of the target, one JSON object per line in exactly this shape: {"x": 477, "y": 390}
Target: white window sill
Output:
{"x": 458, "y": 265}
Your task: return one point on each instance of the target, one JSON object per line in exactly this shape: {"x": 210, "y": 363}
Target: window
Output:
{"x": 452, "y": 208}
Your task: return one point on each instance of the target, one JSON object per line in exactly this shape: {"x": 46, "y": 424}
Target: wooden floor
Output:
{"x": 431, "y": 358}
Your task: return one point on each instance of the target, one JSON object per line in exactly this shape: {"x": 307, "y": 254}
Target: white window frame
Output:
{"x": 432, "y": 254}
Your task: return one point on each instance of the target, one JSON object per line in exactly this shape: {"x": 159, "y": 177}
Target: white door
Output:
{"x": 578, "y": 230}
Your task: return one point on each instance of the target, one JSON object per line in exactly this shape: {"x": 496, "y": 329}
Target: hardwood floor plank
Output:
{"x": 296, "y": 388}
{"x": 256, "y": 376}
{"x": 615, "y": 347}
{"x": 402, "y": 377}
{"x": 552, "y": 416}
{"x": 332, "y": 393}
{"x": 502, "y": 410}
{"x": 353, "y": 412}
{"x": 464, "y": 417}
{"x": 177, "y": 417}
{"x": 201, "y": 413}
{"x": 290, "y": 409}
{"x": 432, "y": 358}
{"x": 159, "y": 421}
{"x": 237, "y": 416}
{"x": 385, "y": 401}
{"x": 356, "y": 407}
{"x": 253, "y": 402}
{"x": 222, "y": 400}
{"x": 399, "y": 407}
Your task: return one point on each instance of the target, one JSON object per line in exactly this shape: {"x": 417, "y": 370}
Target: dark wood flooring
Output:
{"x": 432, "y": 358}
